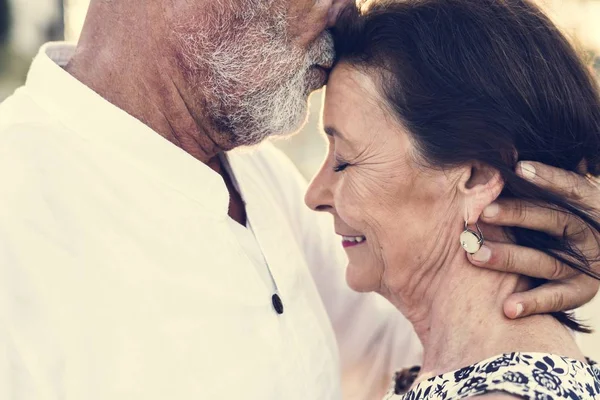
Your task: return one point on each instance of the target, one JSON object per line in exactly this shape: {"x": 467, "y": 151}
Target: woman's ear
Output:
{"x": 480, "y": 185}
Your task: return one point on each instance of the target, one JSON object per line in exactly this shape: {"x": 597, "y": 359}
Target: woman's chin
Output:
{"x": 362, "y": 279}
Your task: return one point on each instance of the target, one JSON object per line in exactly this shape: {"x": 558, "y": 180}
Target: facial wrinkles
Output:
{"x": 379, "y": 165}
{"x": 256, "y": 78}
{"x": 359, "y": 198}
{"x": 413, "y": 274}
{"x": 370, "y": 185}
{"x": 407, "y": 211}
{"x": 374, "y": 153}
{"x": 357, "y": 212}
{"x": 378, "y": 185}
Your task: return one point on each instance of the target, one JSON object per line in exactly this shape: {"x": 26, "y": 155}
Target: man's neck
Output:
{"x": 133, "y": 63}
{"x": 461, "y": 320}
{"x": 152, "y": 98}
{"x": 151, "y": 89}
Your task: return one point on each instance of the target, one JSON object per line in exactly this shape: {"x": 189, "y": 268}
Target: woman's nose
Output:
{"x": 319, "y": 196}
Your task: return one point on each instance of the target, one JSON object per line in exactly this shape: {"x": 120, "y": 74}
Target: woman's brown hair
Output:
{"x": 492, "y": 81}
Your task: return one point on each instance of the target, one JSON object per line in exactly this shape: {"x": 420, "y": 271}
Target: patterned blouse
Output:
{"x": 536, "y": 376}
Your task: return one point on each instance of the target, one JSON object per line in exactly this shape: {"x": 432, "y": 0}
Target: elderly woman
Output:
{"x": 430, "y": 107}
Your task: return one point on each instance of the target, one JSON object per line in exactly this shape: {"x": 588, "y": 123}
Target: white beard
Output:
{"x": 256, "y": 82}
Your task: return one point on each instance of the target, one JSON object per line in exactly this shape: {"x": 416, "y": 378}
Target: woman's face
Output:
{"x": 400, "y": 221}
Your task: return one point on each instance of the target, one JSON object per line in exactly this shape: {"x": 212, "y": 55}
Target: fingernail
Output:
{"x": 527, "y": 171}
{"x": 519, "y": 310}
{"x": 483, "y": 255}
{"x": 491, "y": 210}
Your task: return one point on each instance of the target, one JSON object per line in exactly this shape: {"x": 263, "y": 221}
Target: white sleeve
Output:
{"x": 31, "y": 365}
{"x": 374, "y": 338}
{"x": 29, "y": 361}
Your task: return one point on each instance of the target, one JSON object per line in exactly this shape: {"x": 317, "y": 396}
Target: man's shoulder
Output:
{"x": 22, "y": 120}
{"x": 35, "y": 148}
{"x": 18, "y": 107}
{"x": 30, "y": 143}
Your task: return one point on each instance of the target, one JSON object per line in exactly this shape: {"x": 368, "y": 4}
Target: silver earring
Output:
{"x": 471, "y": 241}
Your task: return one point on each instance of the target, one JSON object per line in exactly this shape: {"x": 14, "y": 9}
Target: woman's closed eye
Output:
{"x": 340, "y": 164}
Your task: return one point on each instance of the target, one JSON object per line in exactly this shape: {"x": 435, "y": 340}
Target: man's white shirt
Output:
{"x": 122, "y": 277}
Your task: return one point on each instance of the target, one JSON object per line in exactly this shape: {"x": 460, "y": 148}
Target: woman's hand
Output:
{"x": 568, "y": 288}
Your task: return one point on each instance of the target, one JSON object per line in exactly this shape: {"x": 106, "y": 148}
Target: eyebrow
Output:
{"x": 331, "y": 131}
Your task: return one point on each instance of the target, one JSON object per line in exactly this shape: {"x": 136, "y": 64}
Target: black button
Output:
{"x": 277, "y": 304}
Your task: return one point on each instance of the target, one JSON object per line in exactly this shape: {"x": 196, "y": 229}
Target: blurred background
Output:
{"x": 26, "y": 24}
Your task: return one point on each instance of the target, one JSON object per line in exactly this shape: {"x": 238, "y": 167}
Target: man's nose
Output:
{"x": 336, "y": 7}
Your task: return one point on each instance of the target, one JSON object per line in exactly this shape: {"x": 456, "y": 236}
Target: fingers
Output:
{"x": 510, "y": 212}
{"x": 568, "y": 288}
{"x": 574, "y": 186}
{"x": 511, "y": 258}
{"x": 551, "y": 297}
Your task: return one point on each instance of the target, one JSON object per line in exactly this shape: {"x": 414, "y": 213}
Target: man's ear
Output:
{"x": 480, "y": 185}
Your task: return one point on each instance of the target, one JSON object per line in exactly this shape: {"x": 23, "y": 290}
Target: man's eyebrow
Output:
{"x": 331, "y": 131}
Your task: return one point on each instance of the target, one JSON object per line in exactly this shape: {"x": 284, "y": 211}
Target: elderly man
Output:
{"x": 142, "y": 258}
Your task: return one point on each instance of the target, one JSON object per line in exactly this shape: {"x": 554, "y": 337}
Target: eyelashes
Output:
{"x": 340, "y": 165}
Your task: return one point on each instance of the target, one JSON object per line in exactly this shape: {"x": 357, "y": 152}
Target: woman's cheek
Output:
{"x": 349, "y": 207}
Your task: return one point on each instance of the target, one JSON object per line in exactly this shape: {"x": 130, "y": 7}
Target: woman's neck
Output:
{"x": 460, "y": 320}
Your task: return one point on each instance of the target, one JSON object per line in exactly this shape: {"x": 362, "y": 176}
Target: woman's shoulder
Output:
{"x": 511, "y": 375}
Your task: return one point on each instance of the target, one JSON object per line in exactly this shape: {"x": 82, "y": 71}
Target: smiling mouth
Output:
{"x": 351, "y": 241}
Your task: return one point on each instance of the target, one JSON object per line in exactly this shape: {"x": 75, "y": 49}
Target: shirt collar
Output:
{"x": 90, "y": 116}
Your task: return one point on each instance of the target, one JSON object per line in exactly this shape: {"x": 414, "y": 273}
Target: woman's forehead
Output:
{"x": 351, "y": 87}
{"x": 352, "y": 99}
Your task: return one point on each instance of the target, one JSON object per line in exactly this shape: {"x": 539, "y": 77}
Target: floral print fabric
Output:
{"x": 535, "y": 376}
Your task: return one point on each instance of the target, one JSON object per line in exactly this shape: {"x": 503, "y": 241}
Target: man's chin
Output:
{"x": 295, "y": 107}
{"x": 243, "y": 139}
{"x": 292, "y": 128}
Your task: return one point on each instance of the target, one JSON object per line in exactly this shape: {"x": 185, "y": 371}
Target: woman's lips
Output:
{"x": 351, "y": 241}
